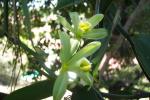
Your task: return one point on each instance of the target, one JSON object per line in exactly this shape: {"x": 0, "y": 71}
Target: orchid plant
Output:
{"x": 73, "y": 55}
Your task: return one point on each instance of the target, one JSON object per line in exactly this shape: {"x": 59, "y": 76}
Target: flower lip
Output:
{"x": 85, "y": 65}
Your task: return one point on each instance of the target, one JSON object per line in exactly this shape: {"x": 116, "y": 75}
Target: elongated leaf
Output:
{"x": 96, "y": 34}
{"x": 75, "y": 20}
{"x": 60, "y": 86}
{"x": 65, "y": 53}
{"x": 65, "y": 23}
{"x": 74, "y": 46}
{"x": 142, "y": 48}
{"x": 65, "y": 3}
{"x": 95, "y": 19}
{"x": 37, "y": 91}
{"x": 85, "y": 52}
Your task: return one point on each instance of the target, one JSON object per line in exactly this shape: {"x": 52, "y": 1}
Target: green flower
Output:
{"x": 75, "y": 59}
{"x": 84, "y": 29}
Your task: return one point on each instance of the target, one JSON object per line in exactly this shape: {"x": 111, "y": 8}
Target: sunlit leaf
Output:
{"x": 95, "y": 19}
{"x": 75, "y": 20}
{"x": 65, "y": 23}
{"x": 74, "y": 46}
{"x": 85, "y": 51}
{"x": 60, "y": 86}
{"x": 96, "y": 34}
{"x": 65, "y": 52}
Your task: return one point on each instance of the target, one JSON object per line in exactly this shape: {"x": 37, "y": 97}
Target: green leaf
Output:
{"x": 65, "y": 23}
{"x": 75, "y": 20}
{"x": 142, "y": 49}
{"x": 96, "y": 34}
{"x": 65, "y": 53}
{"x": 36, "y": 91}
{"x": 60, "y": 86}
{"x": 85, "y": 52}
{"x": 95, "y": 19}
{"x": 74, "y": 46}
{"x": 65, "y": 3}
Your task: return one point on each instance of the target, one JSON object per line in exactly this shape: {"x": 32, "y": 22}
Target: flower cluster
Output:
{"x": 73, "y": 58}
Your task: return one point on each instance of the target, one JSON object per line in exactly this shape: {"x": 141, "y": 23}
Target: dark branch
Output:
{"x": 118, "y": 96}
{"x": 134, "y": 16}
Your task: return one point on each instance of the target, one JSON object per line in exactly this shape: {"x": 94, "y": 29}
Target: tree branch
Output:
{"x": 134, "y": 16}
{"x": 118, "y": 96}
